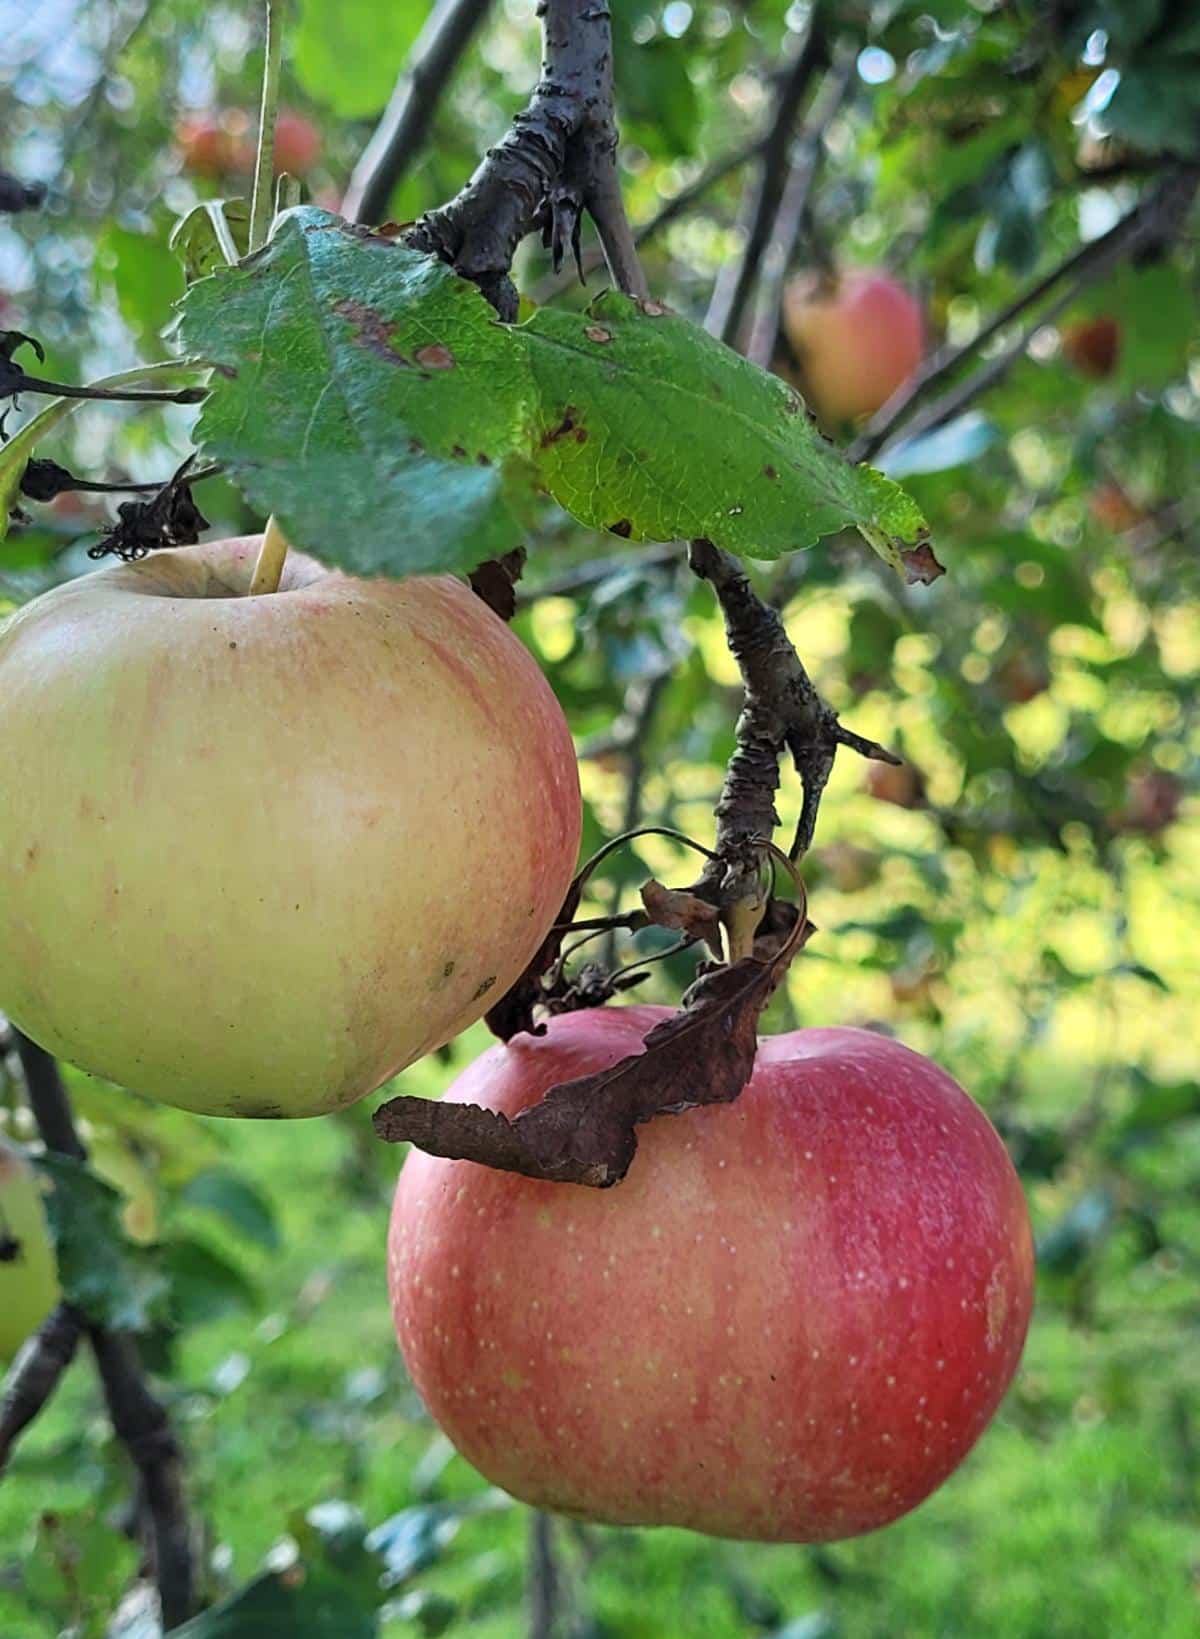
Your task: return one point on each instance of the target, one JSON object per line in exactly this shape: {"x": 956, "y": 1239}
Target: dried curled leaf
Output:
{"x": 583, "y": 1131}
{"x": 687, "y": 912}
{"x": 496, "y": 582}
{"x": 513, "y": 1013}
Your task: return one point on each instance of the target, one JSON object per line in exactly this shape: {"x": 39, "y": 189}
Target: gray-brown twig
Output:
{"x": 735, "y": 282}
{"x": 401, "y": 133}
{"x": 138, "y": 1419}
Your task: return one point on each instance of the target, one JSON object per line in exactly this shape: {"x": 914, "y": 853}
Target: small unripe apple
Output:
{"x": 1093, "y": 346}
{"x": 898, "y": 783}
{"x": 850, "y": 868}
{"x": 259, "y": 853}
{"x": 1022, "y": 675}
{"x": 790, "y": 1322}
{"x": 856, "y": 340}
{"x": 1152, "y": 802}
{"x": 28, "y": 1276}
{"x": 208, "y": 147}
{"x": 1111, "y": 505}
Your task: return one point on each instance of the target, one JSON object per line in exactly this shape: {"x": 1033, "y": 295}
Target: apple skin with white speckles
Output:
{"x": 789, "y": 1323}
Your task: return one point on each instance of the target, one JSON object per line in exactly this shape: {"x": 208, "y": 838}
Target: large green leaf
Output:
{"x": 304, "y": 1601}
{"x": 363, "y": 395}
{"x": 114, "y": 1282}
{"x": 650, "y": 428}
{"x": 369, "y": 398}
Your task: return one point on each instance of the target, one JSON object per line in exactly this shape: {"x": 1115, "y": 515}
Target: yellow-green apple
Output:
{"x": 259, "y": 853}
{"x": 856, "y": 339}
{"x": 790, "y": 1322}
{"x": 28, "y": 1277}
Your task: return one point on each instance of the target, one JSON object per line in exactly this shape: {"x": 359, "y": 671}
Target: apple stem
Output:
{"x": 264, "y": 162}
{"x": 272, "y": 555}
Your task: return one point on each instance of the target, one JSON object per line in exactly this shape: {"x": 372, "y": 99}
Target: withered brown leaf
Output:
{"x": 582, "y": 1131}
{"x": 687, "y": 912}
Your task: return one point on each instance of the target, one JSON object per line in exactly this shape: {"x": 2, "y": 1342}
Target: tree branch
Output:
{"x": 34, "y": 1374}
{"x": 138, "y": 1418}
{"x": 542, "y": 1579}
{"x": 782, "y": 711}
{"x": 736, "y": 279}
{"x": 793, "y": 203}
{"x": 555, "y": 161}
{"x": 141, "y": 1424}
{"x": 1154, "y": 222}
{"x": 401, "y": 133}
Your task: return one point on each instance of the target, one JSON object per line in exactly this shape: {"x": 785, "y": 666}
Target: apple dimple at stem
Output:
{"x": 257, "y": 854}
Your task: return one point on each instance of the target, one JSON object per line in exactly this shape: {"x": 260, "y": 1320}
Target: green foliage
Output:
{"x": 113, "y": 1282}
{"x": 368, "y": 397}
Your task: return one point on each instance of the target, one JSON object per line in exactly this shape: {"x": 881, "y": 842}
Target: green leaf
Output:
{"x": 79, "y": 1566}
{"x": 213, "y": 234}
{"x": 204, "y": 1285}
{"x": 144, "y": 275}
{"x": 652, "y": 429}
{"x": 1156, "y": 105}
{"x": 306, "y": 1600}
{"x": 347, "y": 53}
{"x": 363, "y": 395}
{"x": 231, "y": 1197}
{"x": 368, "y": 397}
{"x": 114, "y": 1282}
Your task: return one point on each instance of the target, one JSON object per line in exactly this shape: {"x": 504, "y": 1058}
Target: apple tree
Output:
{"x": 784, "y": 405}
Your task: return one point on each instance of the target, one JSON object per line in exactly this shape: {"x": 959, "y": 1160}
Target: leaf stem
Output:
{"x": 272, "y": 555}
{"x": 264, "y": 163}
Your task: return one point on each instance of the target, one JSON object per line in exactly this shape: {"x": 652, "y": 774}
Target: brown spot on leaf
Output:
{"x": 920, "y": 565}
{"x": 435, "y": 357}
{"x": 484, "y": 987}
{"x": 581, "y": 435}
{"x": 564, "y": 429}
{"x": 769, "y": 472}
{"x": 373, "y": 331}
{"x": 792, "y": 405}
{"x": 623, "y": 527}
{"x": 597, "y": 333}
{"x": 653, "y": 309}
{"x": 458, "y": 451}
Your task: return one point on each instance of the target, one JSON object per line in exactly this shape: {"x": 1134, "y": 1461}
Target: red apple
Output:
{"x": 856, "y": 341}
{"x": 1093, "y": 346}
{"x": 297, "y": 143}
{"x": 791, "y": 1322}
{"x": 259, "y": 853}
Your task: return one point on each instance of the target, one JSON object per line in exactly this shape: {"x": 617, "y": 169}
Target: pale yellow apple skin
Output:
{"x": 258, "y": 854}
{"x": 29, "y": 1278}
